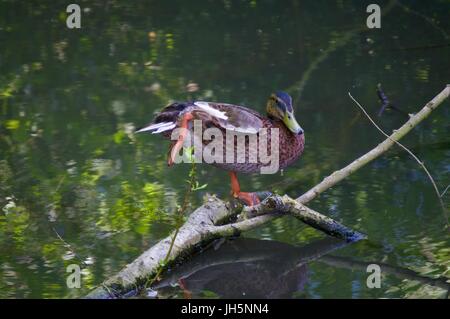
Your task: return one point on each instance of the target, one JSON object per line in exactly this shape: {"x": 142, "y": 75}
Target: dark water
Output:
{"x": 77, "y": 186}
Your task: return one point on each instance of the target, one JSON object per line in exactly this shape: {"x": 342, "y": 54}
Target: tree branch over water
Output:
{"x": 436, "y": 189}
{"x": 211, "y": 220}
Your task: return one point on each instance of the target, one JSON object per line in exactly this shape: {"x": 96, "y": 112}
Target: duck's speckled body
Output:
{"x": 290, "y": 148}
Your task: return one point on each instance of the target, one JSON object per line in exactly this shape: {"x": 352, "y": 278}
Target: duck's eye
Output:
{"x": 289, "y": 117}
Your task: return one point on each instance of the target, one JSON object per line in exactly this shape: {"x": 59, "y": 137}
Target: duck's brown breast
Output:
{"x": 290, "y": 147}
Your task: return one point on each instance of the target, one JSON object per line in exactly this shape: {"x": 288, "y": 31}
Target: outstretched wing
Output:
{"x": 232, "y": 117}
{"x": 227, "y": 116}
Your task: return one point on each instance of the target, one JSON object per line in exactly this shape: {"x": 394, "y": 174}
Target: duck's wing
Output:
{"x": 230, "y": 117}
{"x": 221, "y": 115}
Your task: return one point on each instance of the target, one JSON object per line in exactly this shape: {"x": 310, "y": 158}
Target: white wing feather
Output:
{"x": 212, "y": 111}
{"x": 159, "y": 127}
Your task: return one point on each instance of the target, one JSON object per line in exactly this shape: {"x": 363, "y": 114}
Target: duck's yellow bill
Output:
{"x": 291, "y": 123}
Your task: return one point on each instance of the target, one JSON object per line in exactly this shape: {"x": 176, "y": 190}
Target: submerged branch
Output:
{"x": 403, "y": 273}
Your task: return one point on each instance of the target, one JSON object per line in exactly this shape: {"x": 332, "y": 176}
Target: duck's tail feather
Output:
{"x": 157, "y": 127}
{"x": 166, "y": 120}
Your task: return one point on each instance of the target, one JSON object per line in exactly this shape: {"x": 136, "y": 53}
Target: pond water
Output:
{"x": 78, "y": 187}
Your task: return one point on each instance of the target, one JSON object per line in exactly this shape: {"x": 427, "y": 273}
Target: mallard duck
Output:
{"x": 238, "y": 120}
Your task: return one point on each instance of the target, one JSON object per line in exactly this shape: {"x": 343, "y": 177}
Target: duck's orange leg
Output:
{"x": 250, "y": 199}
{"x": 175, "y": 149}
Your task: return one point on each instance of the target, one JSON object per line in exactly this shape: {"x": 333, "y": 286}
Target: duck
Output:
{"x": 279, "y": 127}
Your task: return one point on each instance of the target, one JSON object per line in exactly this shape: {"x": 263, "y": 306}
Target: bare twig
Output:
{"x": 445, "y": 191}
{"x": 409, "y": 152}
{"x": 70, "y": 248}
{"x": 374, "y": 153}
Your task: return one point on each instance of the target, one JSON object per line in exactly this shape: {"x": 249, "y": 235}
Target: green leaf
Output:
{"x": 197, "y": 188}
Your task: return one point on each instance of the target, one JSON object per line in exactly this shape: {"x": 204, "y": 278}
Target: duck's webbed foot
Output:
{"x": 249, "y": 199}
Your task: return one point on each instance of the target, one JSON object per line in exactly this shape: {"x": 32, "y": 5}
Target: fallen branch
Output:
{"x": 202, "y": 227}
{"x": 207, "y": 222}
{"x": 285, "y": 204}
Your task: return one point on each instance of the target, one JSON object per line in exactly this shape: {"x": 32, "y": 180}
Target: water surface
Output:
{"x": 77, "y": 186}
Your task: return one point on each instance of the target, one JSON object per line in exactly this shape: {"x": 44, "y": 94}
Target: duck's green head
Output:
{"x": 279, "y": 106}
